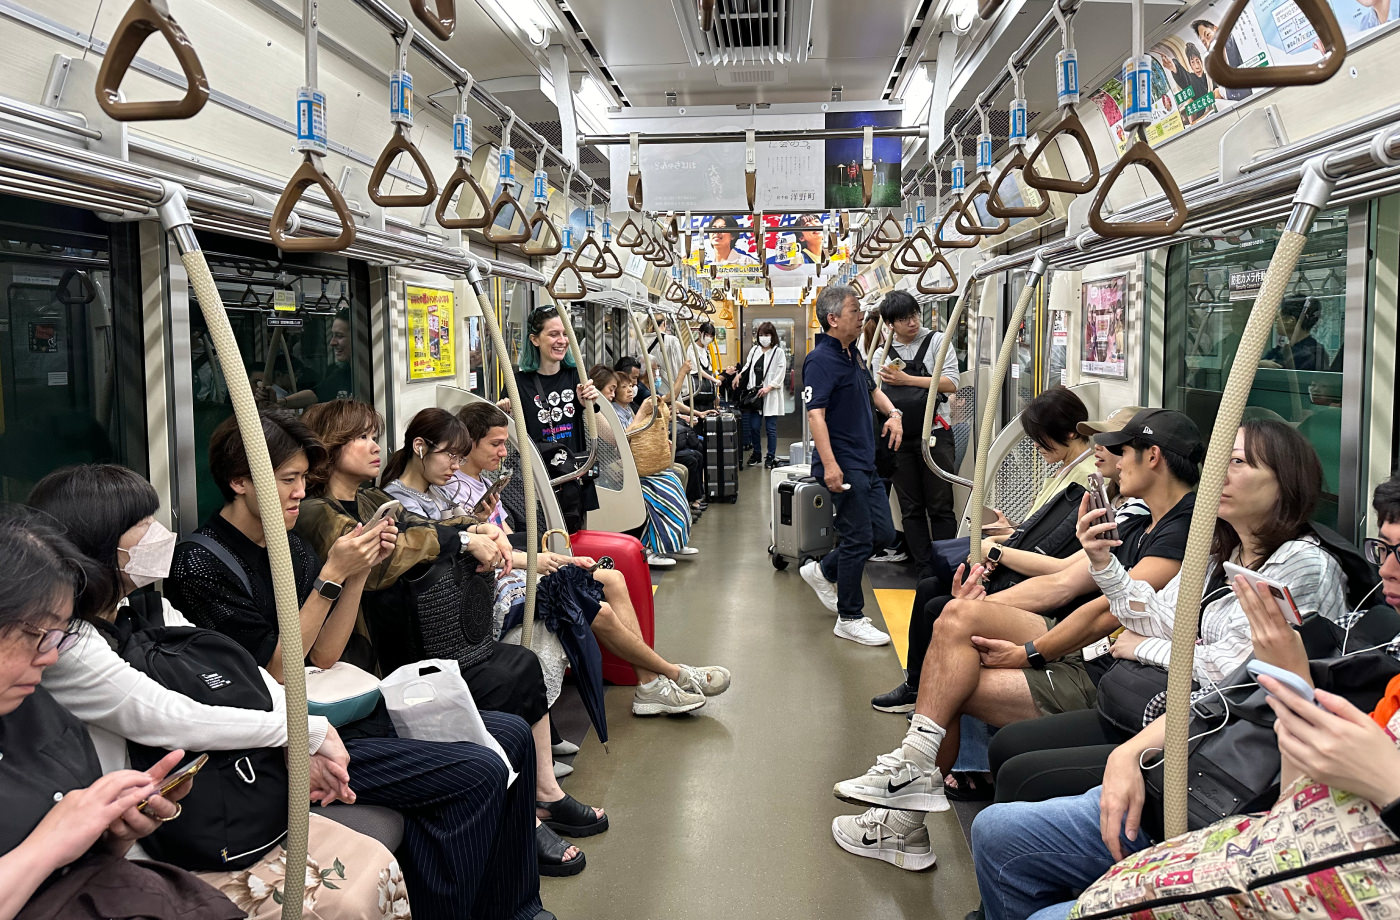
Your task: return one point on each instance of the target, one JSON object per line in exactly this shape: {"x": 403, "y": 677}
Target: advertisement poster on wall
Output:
{"x": 792, "y": 245}
{"x": 844, "y": 184}
{"x": 430, "y": 346}
{"x": 1105, "y": 327}
{"x": 1269, "y": 33}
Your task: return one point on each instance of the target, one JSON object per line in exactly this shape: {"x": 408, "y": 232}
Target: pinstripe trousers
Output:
{"x": 469, "y": 842}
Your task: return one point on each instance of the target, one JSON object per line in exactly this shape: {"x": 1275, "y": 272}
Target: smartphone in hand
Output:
{"x": 391, "y": 508}
{"x": 1290, "y": 680}
{"x": 177, "y": 778}
{"x": 493, "y": 493}
{"x": 1098, "y": 498}
{"x": 1279, "y": 592}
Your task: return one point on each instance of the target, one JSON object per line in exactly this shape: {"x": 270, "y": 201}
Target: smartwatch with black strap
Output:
{"x": 1034, "y": 658}
{"x": 327, "y": 589}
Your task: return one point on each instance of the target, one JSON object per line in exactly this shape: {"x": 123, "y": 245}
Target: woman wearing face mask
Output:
{"x": 109, "y": 513}
{"x": 764, "y": 370}
{"x": 703, "y": 381}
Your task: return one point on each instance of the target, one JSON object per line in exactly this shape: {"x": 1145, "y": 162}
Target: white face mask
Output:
{"x": 705, "y": 339}
{"x": 149, "y": 560}
{"x": 765, "y": 340}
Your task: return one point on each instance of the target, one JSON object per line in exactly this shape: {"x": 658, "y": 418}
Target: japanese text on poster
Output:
{"x": 430, "y": 347}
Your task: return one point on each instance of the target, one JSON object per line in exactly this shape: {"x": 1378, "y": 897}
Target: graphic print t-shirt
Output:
{"x": 552, "y": 408}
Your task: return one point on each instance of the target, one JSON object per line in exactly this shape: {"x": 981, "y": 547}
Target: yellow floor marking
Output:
{"x": 895, "y": 605}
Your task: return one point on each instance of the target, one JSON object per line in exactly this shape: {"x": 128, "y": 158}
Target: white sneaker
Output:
{"x": 811, "y": 573}
{"x": 867, "y": 835}
{"x": 564, "y": 748}
{"x": 663, "y": 697}
{"x": 896, "y": 783}
{"x": 710, "y": 680}
{"x": 890, "y": 554}
{"x": 660, "y": 562}
{"x": 686, "y": 551}
{"x": 862, "y": 631}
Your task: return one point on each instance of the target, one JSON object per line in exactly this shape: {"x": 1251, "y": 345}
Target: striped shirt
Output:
{"x": 1224, "y": 642}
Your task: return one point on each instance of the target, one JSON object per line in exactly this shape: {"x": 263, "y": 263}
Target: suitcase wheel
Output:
{"x": 779, "y": 561}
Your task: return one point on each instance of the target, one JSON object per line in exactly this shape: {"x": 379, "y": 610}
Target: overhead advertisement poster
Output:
{"x": 845, "y": 187}
{"x": 1269, "y": 33}
{"x": 430, "y": 348}
{"x": 792, "y": 246}
{"x": 1105, "y": 327}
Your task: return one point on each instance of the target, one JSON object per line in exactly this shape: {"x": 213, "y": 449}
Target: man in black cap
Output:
{"x": 1016, "y": 656}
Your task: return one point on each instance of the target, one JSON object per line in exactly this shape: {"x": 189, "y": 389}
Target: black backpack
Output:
{"x": 1049, "y": 532}
{"x": 911, "y": 400}
{"x": 236, "y": 810}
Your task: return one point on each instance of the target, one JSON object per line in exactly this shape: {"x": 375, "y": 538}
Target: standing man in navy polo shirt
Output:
{"x": 838, "y": 393}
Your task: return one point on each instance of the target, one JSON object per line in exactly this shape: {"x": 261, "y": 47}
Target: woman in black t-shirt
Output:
{"x": 554, "y": 402}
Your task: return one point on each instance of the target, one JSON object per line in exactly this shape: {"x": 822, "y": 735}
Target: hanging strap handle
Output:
{"x": 1141, "y": 154}
{"x": 707, "y": 15}
{"x": 462, "y": 176}
{"x": 307, "y": 175}
{"x": 548, "y": 242}
{"x": 401, "y": 143}
{"x": 1071, "y": 126}
{"x": 867, "y": 165}
{"x": 948, "y": 287}
{"x": 1324, "y": 23}
{"x": 750, "y": 167}
{"x": 634, "y": 173}
{"x": 506, "y": 202}
{"x": 441, "y": 21}
{"x": 142, "y": 18}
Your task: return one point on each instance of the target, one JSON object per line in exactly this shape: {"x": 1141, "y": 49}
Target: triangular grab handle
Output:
{"x": 889, "y": 231}
{"x": 1141, "y": 154}
{"x": 950, "y": 287}
{"x": 907, "y": 260}
{"x": 997, "y": 208}
{"x": 1071, "y": 125}
{"x": 441, "y": 20}
{"x": 589, "y": 256}
{"x": 307, "y": 175}
{"x": 969, "y": 221}
{"x": 400, "y": 143}
{"x": 549, "y": 243}
{"x": 634, "y": 191}
{"x": 629, "y": 234}
{"x": 1329, "y": 33}
{"x": 565, "y": 269}
{"x": 142, "y": 18}
{"x": 463, "y": 177}
{"x": 950, "y": 216}
{"x": 505, "y": 235}
{"x": 609, "y": 265}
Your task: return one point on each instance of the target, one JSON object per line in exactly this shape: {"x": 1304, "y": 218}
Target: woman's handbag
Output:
{"x": 430, "y": 701}
{"x": 651, "y": 448}
{"x": 749, "y": 398}
{"x": 342, "y": 693}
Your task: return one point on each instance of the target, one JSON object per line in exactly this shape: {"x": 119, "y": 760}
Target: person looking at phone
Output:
{"x": 663, "y": 687}
{"x": 109, "y": 514}
{"x": 972, "y": 665}
{"x": 1033, "y": 857}
{"x": 61, "y": 811}
{"x": 839, "y": 395}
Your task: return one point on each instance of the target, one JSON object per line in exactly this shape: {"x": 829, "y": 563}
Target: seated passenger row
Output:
{"x": 467, "y": 847}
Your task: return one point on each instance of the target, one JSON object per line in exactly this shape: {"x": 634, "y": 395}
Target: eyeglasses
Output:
{"x": 50, "y": 639}
{"x": 1378, "y": 551}
{"x": 455, "y": 458}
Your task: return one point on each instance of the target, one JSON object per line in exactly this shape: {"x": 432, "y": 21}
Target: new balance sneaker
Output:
{"x": 900, "y": 699}
{"x": 710, "y": 680}
{"x": 862, "y": 631}
{"x": 811, "y": 573}
{"x": 867, "y": 835}
{"x": 890, "y": 554}
{"x": 662, "y": 697}
{"x": 896, "y": 783}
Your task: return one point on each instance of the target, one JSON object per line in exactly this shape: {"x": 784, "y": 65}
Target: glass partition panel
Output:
{"x": 1212, "y": 283}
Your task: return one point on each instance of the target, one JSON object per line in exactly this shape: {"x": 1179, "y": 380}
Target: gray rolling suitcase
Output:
{"x": 802, "y": 521}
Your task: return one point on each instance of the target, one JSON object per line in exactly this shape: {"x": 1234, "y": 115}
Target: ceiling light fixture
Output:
{"x": 529, "y": 18}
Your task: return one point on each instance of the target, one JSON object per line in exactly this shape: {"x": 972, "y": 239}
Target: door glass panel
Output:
{"x": 59, "y": 403}
{"x": 298, "y": 337}
{"x": 1212, "y": 283}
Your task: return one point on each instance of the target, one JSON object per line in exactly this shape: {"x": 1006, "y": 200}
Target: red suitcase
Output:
{"x": 628, "y": 558}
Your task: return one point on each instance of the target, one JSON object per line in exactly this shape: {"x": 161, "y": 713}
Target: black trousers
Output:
{"x": 925, "y": 501}
{"x": 1054, "y": 756}
{"x": 469, "y": 842}
{"x": 694, "y": 463}
{"x": 930, "y": 598}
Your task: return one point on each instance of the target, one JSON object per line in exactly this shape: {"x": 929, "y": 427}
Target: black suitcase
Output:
{"x": 722, "y": 457}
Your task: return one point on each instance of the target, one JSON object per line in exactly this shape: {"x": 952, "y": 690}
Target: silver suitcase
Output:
{"x": 802, "y": 521}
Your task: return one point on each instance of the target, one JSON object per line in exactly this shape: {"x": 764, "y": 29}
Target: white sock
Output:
{"x": 901, "y": 822}
{"x": 922, "y": 741}
{"x": 654, "y": 683}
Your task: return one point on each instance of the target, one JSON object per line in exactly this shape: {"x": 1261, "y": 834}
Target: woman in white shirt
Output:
{"x": 703, "y": 381}
{"x": 1271, "y": 489}
{"x": 765, "y": 370}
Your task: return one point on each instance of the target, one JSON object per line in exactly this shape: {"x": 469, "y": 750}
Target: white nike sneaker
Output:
{"x": 896, "y": 783}
{"x": 867, "y": 835}
{"x": 862, "y": 631}
{"x": 811, "y": 573}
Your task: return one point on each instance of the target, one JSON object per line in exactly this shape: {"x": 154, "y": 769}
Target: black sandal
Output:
{"x": 971, "y": 787}
{"x": 572, "y": 818}
{"x": 550, "y": 849}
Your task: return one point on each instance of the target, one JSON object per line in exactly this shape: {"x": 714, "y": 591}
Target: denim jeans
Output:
{"x": 1034, "y": 858}
{"x": 754, "y": 425}
{"x": 863, "y": 522}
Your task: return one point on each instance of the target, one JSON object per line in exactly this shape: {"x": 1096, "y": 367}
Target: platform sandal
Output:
{"x": 550, "y": 849}
{"x": 572, "y": 818}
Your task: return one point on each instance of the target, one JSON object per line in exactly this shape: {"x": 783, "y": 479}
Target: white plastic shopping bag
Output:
{"x": 429, "y": 701}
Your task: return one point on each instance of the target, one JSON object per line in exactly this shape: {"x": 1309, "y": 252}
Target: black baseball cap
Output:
{"x": 1165, "y": 428}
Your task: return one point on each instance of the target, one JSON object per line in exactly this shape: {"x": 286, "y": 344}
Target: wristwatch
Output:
{"x": 1034, "y": 658}
{"x": 897, "y": 413}
{"x": 327, "y": 589}
{"x": 466, "y": 538}
{"x": 994, "y": 555}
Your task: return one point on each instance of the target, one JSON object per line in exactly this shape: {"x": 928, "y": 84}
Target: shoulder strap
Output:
{"x": 223, "y": 555}
{"x": 923, "y": 351}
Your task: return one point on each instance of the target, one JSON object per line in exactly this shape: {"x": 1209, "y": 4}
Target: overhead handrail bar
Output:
{"x": 441, "y": 20}
{"x": 1016, "y": 138}
{"x": 1137, "y": 115}
{"x": 506, "y": 197}
{"x": 311, "y": 141}
{"x": 1067, "y": 91}
{"x": 739, "y": 137}
{"x": 462, "y": 176}
{"x": 142, "y": 18}
{"x": 1329, "y": 33}
{"x": 401, "y": 118}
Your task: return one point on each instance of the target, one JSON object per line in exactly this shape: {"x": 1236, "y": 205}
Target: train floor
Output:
{"x": 727, "y": 812}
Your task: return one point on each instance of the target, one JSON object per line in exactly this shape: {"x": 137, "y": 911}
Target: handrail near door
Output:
{"x": 931, "y": 407}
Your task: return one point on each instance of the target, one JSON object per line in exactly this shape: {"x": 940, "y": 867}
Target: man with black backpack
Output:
{"x": 925, "y": 501}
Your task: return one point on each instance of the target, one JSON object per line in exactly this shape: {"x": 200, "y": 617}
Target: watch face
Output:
{"x": 328, "y": 589}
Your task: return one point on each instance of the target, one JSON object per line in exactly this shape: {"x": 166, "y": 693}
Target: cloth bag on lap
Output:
{"x": 429, "y": 701}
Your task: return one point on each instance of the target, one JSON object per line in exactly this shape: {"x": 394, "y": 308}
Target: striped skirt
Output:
{"x": 668, "y": 513}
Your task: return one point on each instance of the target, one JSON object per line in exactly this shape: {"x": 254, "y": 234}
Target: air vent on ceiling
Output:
{"x": 751, "y": 76}
{"x": 747, "y": 32}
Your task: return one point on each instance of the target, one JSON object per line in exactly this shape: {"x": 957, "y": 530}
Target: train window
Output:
{"x": 299, "y": 335}
{"x": 1212, "y": 282}
{"x": 69, "y": 323}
